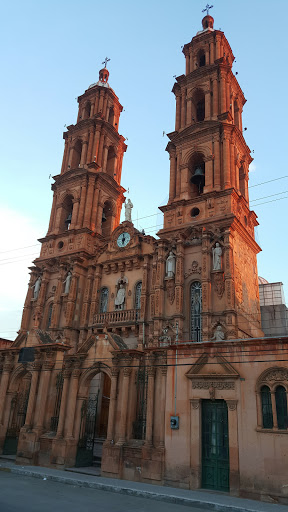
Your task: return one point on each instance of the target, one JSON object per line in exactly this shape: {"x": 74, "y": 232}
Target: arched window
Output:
{"x": 111, "y": 162}
{"x": 236, "y": 115}
{"x": 111, "y": 116}
{"x": 49, "y": 316}
{"x": 104, "y": 300}
{"x": 138, "y": 289}
{"x": 107, "y": 219}
{"x": 201, "y": 58}
{"x": 76, "y": 157}
{"x": 281, "y": 407}
{"x": 267, "y": 414}
{"x": 66, "y": 213}
{"x": 87, "y": 110}
{"x": 195, "y": 311}
{"x": 197, "y": 173}
{"x": 198, "y": 106}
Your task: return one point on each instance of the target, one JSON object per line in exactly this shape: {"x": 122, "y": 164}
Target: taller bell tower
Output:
{"x": 208, "y": 202}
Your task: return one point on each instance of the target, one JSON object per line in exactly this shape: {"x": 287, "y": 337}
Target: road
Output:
{"x": 26, "y": 494}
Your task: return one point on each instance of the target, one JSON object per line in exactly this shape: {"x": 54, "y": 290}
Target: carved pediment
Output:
{"x": 115, "y": 341}
{"x": 212, "y": 367}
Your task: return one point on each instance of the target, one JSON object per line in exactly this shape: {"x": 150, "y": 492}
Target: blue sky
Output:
{"x": 51, "y": 52}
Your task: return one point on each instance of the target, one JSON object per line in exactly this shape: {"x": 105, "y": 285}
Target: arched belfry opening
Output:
{"x": 197, "y": 174}
{"x": 111, "y": 162}
{"x": 107, "y": 219}
{"x": 236, "y": 114}
{"x": 76, "y": 155}
{"x": 198, "y": 106}
{"x": 94, "y": 420}
{"x": 66, "y": 213}
{"x": 87, "y": 110}
{"x": 201, "y": 59}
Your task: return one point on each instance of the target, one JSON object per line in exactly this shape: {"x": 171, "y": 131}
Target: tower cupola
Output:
{"x": 103, "y": 75}
{"x": 208, "y": 22}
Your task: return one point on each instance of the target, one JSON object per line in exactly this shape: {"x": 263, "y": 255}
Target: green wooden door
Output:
{"x": 215, "y": 445}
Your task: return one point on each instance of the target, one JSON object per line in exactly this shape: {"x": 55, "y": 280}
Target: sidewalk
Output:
{"x": 208, "y": 500}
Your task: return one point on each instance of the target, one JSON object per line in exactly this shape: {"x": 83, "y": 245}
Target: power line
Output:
{"x": 19, "y": 248}
{"x": 270, "y": 181}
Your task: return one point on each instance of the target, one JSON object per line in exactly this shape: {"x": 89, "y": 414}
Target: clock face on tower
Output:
{"x": 123, "y": 239}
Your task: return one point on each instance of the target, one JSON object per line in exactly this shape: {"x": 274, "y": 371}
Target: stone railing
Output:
{"x": 121, "y": 316}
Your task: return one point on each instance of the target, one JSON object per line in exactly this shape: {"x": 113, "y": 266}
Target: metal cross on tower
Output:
{"x": 105, "y": 61}
{"x": 207, "y": 9}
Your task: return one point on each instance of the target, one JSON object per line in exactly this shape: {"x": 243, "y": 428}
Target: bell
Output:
{"x": 198, "y": 178}
{"x": 104, "y": 218}
{"x": 68, "y": 220}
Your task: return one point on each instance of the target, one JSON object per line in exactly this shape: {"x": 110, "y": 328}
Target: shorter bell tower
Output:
{"x": 87, "y": 193}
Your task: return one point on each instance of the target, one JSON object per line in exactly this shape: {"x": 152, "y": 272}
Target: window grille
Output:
{"x": 267, "y": 414}
{"x": 195, "y": 311}
{"x": 104, "y": 300}
{"x": 138, "y": 290}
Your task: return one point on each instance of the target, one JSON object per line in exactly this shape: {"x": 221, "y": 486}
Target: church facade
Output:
{"x": 146, "y": 355}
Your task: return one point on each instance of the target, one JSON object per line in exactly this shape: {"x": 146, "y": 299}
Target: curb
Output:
{"x": 179, "y": 500}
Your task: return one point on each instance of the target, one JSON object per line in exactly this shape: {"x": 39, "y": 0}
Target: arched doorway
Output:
{"x": 17, "y": 414}
{"x": 94, "y": 421}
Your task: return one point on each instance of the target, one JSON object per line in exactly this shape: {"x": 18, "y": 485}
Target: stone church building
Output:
{"x": 146, "y": 355}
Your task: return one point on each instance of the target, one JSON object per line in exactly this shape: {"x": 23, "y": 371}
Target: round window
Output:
{"x": 60, "y": 245}
{"x": 195, "y": 212}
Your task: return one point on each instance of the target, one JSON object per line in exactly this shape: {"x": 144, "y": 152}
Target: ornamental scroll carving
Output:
{"x": 194, "y": 269}
{"x": 219, "y": 284}
{"x": 170, "y": 286}
{"x": 276, "y": 375}
{"x": 206, "y": 384}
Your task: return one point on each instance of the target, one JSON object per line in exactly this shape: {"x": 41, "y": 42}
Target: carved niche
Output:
{"x": 219, "y": 283}
{"x": 170, "y": 287}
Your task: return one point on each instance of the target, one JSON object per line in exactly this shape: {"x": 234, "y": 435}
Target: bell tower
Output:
{"x": 87, "y": 193}
{"x": 208, "y": 193}
{"x": 87, "y": 200}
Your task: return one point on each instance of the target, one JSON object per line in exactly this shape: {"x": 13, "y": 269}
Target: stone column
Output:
{"x": 183, "y": 108}
{"x": 74, "y": 213}
{"x": 208, "y": 174}
{"x": 184, "y": 182}
{"x": 189, "y": 111}
{"x": 172, "y": 190}
{"x": 105, "y": 155}
{"x": 217, "y": 166}
{"x": 82, "y": 204}
{"x": 223, "y": 106}
{"x": 100, "y": 151}
{"x": 259, "y": 410}
{"x": 215, "y": 98}
{"x": 101, "y": 101}
{"x": 218, "y": 50}
{"x": 150, "y": 406}
{"x": 124, "y": 405}
{"x": 89, "y": 200}
{"x": 36, "y": 367}
{"x": 87, "y": 298}
{"x": 7, "y": 368}
{"x": 113, "y": 401}
{"x": 64, "y": 162}
{"x": 90, "y": 145}
{"x": 62, "y": 413}
{"x": 178, "y": 177}
{"x": 195, "y": 446}
{"x": 274, "y": 410}
{"x": 47, "y": 366}
{"x": 84, "y": 153}
{"x": 95, "y": 147}
{"x": 178, "y": 112}
{"x": 71, "y": 406}
{"x": 226, "y": 160}
{"x": 232, "y": 163}
{"x": 233, "y": 446}
{"x": 190, "y": 60}
{"x": 207, "y": 105}
{"x": 163, "y": 372}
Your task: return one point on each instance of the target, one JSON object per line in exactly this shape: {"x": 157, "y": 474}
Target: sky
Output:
{"x": 52, "y": 51}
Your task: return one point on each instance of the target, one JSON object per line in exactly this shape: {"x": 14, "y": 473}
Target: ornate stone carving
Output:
{"x": 195, "y": 403}
{"x": 170, "y": 286}
{"x": 276, "y": 375}
{"x": 194, "y": 269}
{"x": 207, "y": 384}
{"x": 232, "y": 404}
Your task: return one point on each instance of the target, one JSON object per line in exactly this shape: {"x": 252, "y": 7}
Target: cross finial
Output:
{"x": 207, "y": 9}
{"x": 105, "y": 61}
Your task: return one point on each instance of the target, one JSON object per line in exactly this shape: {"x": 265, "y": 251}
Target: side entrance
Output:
{"x": 215, "y": 445}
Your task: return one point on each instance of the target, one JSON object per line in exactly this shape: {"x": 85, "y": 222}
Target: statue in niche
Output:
{"x": 120, "y": 297}
{"x": 218, "y": 334}
{"x": 217, "y": 253}
{"x": 36, "y": 287}
{"x": 67, "y": 282}
{"x": 170, "y": 265}
{"x": 128, "y": 210}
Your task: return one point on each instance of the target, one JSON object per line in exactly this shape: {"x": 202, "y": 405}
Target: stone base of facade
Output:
{"x": 138, "y": 463}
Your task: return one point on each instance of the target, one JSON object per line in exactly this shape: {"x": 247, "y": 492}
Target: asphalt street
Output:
{"x": 25, "y": 494}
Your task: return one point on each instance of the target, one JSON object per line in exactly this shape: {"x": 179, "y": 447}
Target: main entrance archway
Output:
{"x": 215, "y": 445}
{"x": 94, "y": 421}
{"x": 17, "y": 415}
